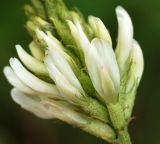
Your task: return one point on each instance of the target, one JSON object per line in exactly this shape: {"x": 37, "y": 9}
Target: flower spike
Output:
{"x": 73, "y": 73}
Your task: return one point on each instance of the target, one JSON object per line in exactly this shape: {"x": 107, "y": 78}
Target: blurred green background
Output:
{"x": 20, "y": 127}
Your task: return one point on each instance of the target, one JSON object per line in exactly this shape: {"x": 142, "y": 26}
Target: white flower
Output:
{"x": 60, "y": 70}
{"x": 31, "y": 103}
{"x": 66, "y": 93}
{"x": 101, "y": 64}
{"x": 39, "y": 97}
{"x": 31, "y": 63}
{"x": 67, "y": 90}
{"x": 25, "y": 81}
{"x": 47, "y": 108}
{"x": 125, "y": 38}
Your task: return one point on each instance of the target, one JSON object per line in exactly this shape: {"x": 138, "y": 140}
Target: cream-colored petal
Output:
{"x": 125, "y": 37}
{"x": 67, "y": 90}
{"x": 37, "y": 51}
{"x": 108, "y": 59}
{"x": 65, "y": 112}
{"x": 109, "y": 92}
{"x": 92, "y": 62}
{"x": 53, "y": 43}
{"x": 74, "y": 32}
{"x": 63, "y": 66}
{"x": 32, "y": 104}
{"x": 99, "y": 29}
{"x": 137, "y": 66}
{"x": 84, "y": 42}
{"x": 16, "y": 82}
{"x": 30, "y": 62}
{"x": 90, "y": 57}
{"x": 32, "y": 81}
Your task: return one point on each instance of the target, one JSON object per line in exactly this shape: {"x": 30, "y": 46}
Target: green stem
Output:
{"x": 118, "y": 120}
{"x": 124, "y": 137}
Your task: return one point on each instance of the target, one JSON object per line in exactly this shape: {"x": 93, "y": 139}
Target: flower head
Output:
{"x": 73, "y": 73}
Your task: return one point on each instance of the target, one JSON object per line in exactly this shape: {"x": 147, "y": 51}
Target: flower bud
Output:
{"x": 102, "y": 66}
{"x": 30, "y": 26}
{"x": 99, "y": 29}
{"x": 74, "y": 32}
{"x": 40, "y": 10}
{"x": 31, "y": 63}
{"x": 37, "y": 51}
{"x": 125, "y": 37}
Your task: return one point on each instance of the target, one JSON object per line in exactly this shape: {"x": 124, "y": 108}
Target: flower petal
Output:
{"x": 107, "y": 57}
{"x": 63, "y": 66}
{"x": 92, "y": 62}
{"x": 90, "y": 57}
{"x": 137, "y": 66}
{"x": 109, "y": 92}
{"x": 16, "y": 82}
{"x": 30, "y": 62}
{"x": 84, "y": 42}
{"x": 125, "y": 37}
{"x": 32, "y": 81}
{"x": 32, "y": 104}
{"x": 53, "y": 43}
{"x": 65, "y": 112}
{"x": 99, "y": 29}
{"x": 68, "y": 91}
{"x": 36, "y": 51}
{"x": 74, "y": 32}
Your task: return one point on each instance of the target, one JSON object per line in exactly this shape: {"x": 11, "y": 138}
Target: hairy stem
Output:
{"x": 124, "y": 137}
{"x": 118, "y": 120}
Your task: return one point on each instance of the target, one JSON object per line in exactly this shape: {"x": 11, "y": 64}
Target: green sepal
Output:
{"x": 84, "y": 79}
{"x": 127, "y": 98}
{"x": 94, "y": 108}
{"x": 123, "y": 83}
{"x": 58, "y": 14}
{"x": 100, "y": 130}
{"x": 66, "y": 37}
{"x": 56, "y": 8}
{"x": 117, "y": 116}
{"x": 130, "y": 100}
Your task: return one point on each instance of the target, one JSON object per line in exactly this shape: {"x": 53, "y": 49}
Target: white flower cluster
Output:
{"x": 106, "y": 69}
